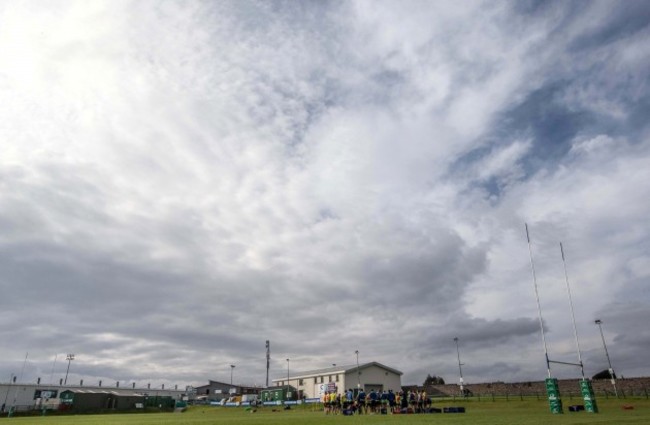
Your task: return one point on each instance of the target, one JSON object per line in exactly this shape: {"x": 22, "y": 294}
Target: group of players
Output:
{"x": 353, "y": 402}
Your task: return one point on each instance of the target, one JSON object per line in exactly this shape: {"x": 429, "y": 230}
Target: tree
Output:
{"x": 603, "y": 374}
{"x": 433, "y": 380}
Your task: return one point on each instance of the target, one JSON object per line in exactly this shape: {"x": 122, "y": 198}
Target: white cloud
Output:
{"x": 214, "y": 175}
{"x": 600, "y": 143}
{"x": 504, "y": 162}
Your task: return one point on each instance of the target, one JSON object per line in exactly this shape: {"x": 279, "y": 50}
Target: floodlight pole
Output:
{"x": 22, "y": 372}
{"x": 52, "y": 372}
{"x": 268, "y": 360}
{"x": 609, "y": 362}
{"x": 460, "y": 369}
{"x": 287, "y": 379}
{"x": 358, "y": 371}
{"x": 232, "y": 367}
{"x": 11, "y": 378}
{"x": 69, "y": 358}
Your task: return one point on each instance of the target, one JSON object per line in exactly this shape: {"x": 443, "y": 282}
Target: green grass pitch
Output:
{"x": 514, "y": 412}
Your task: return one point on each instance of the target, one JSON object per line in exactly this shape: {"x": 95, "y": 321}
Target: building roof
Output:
{"x": 225, "y": 384}
{"x": 334, "y": 370}
{"x": 107, "y": 391}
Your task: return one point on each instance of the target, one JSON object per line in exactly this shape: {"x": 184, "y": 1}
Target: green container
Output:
{"x": 274, "y": 394}
{"x": 161, "y": 401}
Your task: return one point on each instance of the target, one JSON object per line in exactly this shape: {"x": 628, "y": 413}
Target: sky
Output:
{"x": 181, "y": 181}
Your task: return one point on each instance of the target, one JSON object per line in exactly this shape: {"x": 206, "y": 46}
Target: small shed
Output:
{"x": 88, "y": 400}
{"x": 162, "y": 402}
{"x": 84, "y": 400}
{"x": 278, "y": 394}
{"x": 125, "y": 401}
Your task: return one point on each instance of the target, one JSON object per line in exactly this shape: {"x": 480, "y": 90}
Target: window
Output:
{"x": 321, "y": 380}
{"x": 337, "y": 378}
{"x": 316, "y": 380}
{"x": 300, "y": 382}
{"x": 329, "y": 378}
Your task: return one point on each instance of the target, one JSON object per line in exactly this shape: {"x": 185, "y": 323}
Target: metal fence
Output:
{"x": 540, "y": 395}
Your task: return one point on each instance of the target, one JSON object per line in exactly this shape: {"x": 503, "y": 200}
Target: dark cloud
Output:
{"x": 480, "y": 333}
{"x": 619, "y": 23}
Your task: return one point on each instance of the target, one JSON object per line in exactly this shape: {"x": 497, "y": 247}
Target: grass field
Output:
{"x": 484, "y": 412}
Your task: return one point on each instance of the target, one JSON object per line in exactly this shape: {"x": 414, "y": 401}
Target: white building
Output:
{"x": 369, "y": 376}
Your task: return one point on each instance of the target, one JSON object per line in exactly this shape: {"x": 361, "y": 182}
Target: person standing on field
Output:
{"x": 361, "y": 401}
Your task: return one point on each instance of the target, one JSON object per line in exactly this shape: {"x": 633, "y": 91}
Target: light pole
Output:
{"x": 460, "y": 369}
{"x": 268, "y": 360}
{"x": 358, "y": 372}
{"x": 4, "y": 405}
{"x": 232, "y": 367}
{"x": 69, "y": 358}
{"x": 609, "y": 362}
{"x": 287, "y": 379}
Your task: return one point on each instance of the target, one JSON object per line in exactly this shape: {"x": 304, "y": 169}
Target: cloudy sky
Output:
{"x": 182, "y": 180}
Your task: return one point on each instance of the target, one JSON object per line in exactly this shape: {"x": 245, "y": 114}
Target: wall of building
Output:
{"x": 374, "y": 377}
{"x": 313, "y": 386}
{"x": 309, "y": 387}
{"x": 215, "y": 390}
